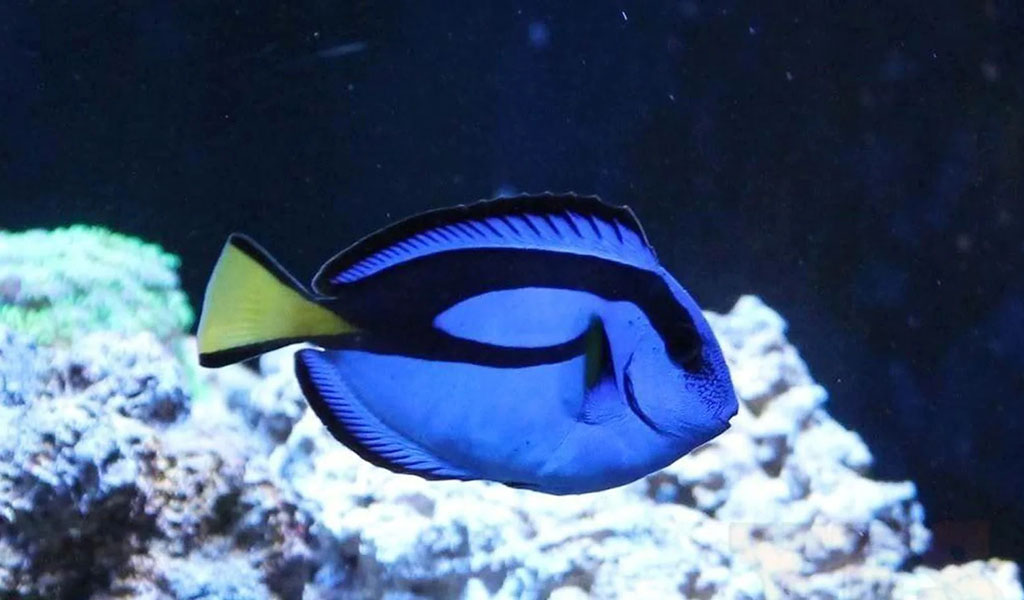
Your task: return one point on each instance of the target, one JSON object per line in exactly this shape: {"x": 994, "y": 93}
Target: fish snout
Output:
{"x": 727, "y": 408}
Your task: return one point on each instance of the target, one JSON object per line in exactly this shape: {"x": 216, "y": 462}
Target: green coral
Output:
{"x": 57, "y": 284}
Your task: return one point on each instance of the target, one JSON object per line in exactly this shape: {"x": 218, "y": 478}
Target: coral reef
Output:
{"x": 118, "y": 480}
{"x": 113, "y": 484}
{"x": 56, "y": 285}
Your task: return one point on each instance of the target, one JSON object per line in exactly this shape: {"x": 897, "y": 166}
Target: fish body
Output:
{"x": 534, "y": 341}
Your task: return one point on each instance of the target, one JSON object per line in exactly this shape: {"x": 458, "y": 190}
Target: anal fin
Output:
{"x": 352, "y": 424}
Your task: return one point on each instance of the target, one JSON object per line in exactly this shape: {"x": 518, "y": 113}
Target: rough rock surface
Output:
{"x": 113, "y": 485}
{"x": 122, "y": 476}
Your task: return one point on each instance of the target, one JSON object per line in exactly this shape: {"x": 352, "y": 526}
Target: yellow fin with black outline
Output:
{"x": 252, "y": 305}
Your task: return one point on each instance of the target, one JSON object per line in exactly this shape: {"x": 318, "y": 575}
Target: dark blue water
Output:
{"x": 859, "y": 166}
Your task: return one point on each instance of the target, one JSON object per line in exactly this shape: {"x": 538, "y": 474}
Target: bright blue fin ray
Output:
{"x": 356, "y": 427}
{"x": 562, "y": 223}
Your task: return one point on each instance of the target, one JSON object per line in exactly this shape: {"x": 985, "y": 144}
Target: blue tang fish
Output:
{"x": 535, "y": 341}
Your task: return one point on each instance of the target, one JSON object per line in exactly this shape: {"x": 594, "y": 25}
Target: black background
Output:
{"x": 858, "y": 165}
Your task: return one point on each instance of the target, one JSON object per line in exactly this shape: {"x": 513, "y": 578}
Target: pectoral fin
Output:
{"x": 598, "y": 354}
{"x": 601, "y": 398}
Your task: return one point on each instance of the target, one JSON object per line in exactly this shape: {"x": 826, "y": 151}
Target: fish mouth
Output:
{"x": 722, "y": 419}
{"x": 723, "y": 422}
{"x": 724, "y": 416}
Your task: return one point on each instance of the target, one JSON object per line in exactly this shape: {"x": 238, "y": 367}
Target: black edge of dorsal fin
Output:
{"x": 542, "y": 205}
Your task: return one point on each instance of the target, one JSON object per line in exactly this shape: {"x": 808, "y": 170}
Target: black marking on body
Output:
{"x": 397, "y": 306}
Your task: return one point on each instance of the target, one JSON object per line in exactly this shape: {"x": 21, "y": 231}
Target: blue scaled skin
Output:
{"x": 534, "y": 341}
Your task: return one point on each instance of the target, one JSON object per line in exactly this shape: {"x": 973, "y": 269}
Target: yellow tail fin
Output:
{"x": 252, "y": 306}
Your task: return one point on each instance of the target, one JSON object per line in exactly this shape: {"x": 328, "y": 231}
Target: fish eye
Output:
{"x": 685, "y": 349}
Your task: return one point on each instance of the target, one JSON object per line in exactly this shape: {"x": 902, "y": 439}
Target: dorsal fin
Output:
{"x": 562, "y": 222}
